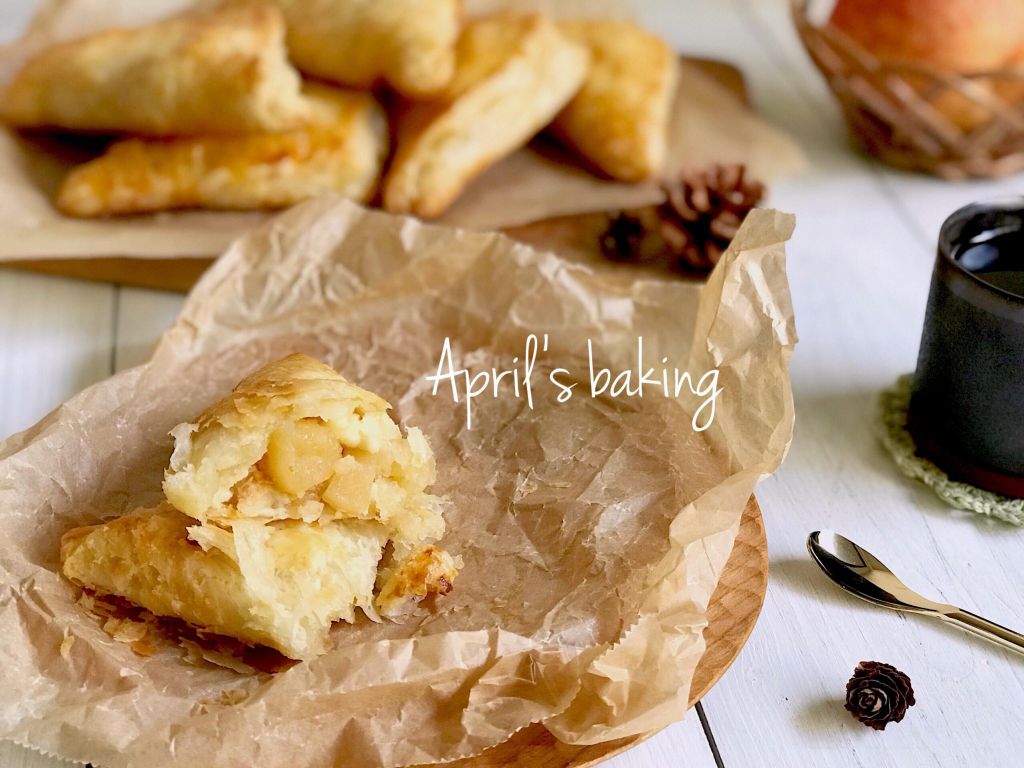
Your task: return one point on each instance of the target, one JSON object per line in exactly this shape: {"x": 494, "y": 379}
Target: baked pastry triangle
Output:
{"x": 219, "y": 72}
{"x": 342, "y": 150}
{"x": 619, "y": 119}
{"x": 513, "y": 73}
{"x": 296, "y": 440}
{"x": 408, "y": 44}
{"x": 292, "y": 502}
{"x": 279, "y": 584}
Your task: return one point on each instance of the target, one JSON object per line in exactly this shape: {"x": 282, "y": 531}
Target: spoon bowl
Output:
{"x": 860, "y": 573}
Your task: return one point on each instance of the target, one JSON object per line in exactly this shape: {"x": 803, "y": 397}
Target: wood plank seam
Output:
{"x": 709, "y": 734}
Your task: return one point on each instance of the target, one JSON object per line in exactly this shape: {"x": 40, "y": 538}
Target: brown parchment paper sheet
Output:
{"x": 710, "y": 124}
{"x": 593, "y": 531}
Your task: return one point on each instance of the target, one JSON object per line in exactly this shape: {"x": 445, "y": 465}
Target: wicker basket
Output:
{"x": 952, "y": 125}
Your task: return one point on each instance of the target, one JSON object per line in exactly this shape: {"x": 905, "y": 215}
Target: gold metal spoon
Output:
{"x": 862, "y": 574}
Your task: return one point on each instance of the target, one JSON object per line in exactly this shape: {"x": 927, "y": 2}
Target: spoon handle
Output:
{"x": 989, "y": 630}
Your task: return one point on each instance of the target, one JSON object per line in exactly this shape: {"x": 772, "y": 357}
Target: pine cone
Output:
{"x": 623, "y": 238}
{"x": 704, "y": 210}
{"x": 693, "y": 227}
{"x": 878, "y": 694}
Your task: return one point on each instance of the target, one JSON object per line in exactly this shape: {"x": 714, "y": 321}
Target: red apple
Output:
{"x": 954, "y": 35}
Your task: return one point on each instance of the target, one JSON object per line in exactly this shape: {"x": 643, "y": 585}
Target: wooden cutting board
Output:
{"x": 732, "y": 613}
{"x": 182, "y": 273}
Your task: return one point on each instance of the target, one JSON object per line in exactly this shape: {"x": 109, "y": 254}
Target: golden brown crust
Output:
{"x": 513, "y": 73}
{"x": 428, "y": 571}
{"x": 341, "y": 151}
{"x": 619, "y": 119}
{"x": 408, "y": 44}
{"x": 221, "y": 72}
{"x": 279, "y": 585}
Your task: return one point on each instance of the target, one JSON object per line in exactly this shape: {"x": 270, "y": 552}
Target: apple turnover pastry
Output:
{"x": 619, "y": 119}
{"x": 342, "y": 150}
{"x": 513, "y": 73}
{"x": 220, "y": 72}
{"x": 292, "y": 502}
{"x": 408, "y": 44}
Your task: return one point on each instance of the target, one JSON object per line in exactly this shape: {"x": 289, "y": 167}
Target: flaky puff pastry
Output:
{"x": 342, "y": 150}
{"x": 408, "y": 44}
{"x": 219, "y": 72}
{"x": 619, "y": 119}
{"x": 513, "y": 73}
{"x": 281, "y": 584}
{"x": 296, "y": 440}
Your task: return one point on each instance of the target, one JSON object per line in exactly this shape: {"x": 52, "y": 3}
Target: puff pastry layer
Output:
{"x": 409, "y": 44}
{"x": 279, "y": 585}
{"x": 619, "y": 119}
{"x": 221, "y": 72}
{"x": 513, "y": 73}
{"x": 296, "y": 440}
{"x": 341, "y": 151}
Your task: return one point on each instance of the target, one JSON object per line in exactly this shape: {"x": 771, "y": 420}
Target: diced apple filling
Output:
{"x": 308, "y": 473}
{"x": 300, "y": 455}
{"x": 349, "y": 491}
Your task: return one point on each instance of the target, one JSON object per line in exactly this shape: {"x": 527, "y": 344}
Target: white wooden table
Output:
{"x": 859, "y": 266}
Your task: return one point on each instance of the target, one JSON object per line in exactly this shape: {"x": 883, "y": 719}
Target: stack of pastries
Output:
{"x": 210, "y": 108}
{"x": 290, "y": 503}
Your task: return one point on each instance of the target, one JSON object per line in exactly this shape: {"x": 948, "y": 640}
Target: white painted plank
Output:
{"x": 14, "y": 14}
{"x": 143, "y": 315}
{"x": 13, "y": 756}
{"x": 927, "y": 202}
{"x": 55, "y": 339}
{"x": 681, "y": 744}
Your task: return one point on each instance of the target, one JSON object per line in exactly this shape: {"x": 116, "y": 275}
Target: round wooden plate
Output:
{"x": 732, "y": 613}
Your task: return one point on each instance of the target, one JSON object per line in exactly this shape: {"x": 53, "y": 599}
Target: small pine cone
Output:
{"x": 690, "y": 230}
{"x": 622, "y": 239}
{"x": 703, "y": 211}
{"x": 878, "y": 694}
{"x": 634, "y": 236}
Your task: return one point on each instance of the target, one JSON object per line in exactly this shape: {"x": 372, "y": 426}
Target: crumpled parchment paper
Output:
{"x": 710, "y": 124}
{"x": 593, "y": 531}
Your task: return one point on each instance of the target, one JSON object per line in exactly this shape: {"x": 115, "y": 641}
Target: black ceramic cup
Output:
{"x": 967, "y": 407}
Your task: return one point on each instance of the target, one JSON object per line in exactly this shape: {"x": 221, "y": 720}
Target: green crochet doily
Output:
{"x": 897, "y": 440}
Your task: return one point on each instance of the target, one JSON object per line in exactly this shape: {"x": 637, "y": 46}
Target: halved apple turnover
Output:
{"x": 292, "y": 502}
